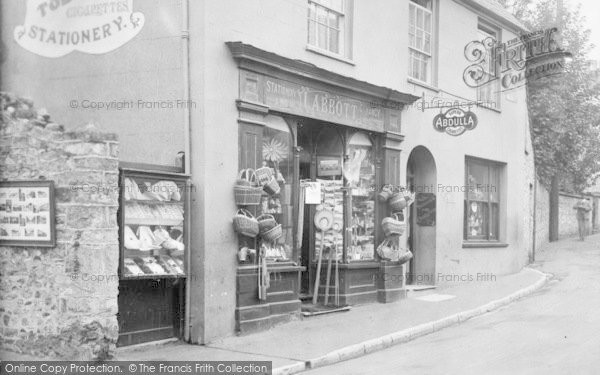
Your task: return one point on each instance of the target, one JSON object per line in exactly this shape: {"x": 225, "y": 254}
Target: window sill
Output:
{"x": 422, "y": 84}
{"x": 329, "y": 54}
{"x": 482, "y": 244}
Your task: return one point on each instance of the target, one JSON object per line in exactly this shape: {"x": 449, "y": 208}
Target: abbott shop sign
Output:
{"x": 54, "y": 28}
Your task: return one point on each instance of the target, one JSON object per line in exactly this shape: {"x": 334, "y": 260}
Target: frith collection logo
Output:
{"x": 54, "y": 28}
{"x": 455, "y": 121}
{"x": 513, "y": 63}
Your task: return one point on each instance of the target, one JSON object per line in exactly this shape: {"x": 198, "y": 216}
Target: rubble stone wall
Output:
{"x": 567, "y": 216}
{"x": 61, "y": 302}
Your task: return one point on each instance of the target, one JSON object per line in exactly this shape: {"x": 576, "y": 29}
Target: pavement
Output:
{"x": 317, "y": 341}
{"x": 552, "y": 331}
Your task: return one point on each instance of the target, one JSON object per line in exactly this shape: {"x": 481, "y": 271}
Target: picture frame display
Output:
{"x": 27, "y": 212}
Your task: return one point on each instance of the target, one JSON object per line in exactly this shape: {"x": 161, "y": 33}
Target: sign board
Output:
{"x": 54, "y": 28}
{"x": 312, "y": 193}
{"x": 425, "y": 209}
{"x": 27, "y": 213}
{"x": 455, "y": 121}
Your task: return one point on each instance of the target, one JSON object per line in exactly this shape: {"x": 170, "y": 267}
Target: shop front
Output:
{"x": 328, "y": 144}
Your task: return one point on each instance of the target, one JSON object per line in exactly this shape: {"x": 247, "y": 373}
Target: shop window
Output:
{"x": 482, "y": 200}
{"x": 329, "y": 26}
{"x": 277, "y": 154}
{"x": 359, "y": 170}
{"x": 420, "y": 40}
{"x": 489, "y": 93}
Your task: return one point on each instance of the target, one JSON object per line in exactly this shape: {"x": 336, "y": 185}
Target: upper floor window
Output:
{"x": 420, "y": 40}
{"x": 328, "y": 26}
{"x": 489, "y": 93}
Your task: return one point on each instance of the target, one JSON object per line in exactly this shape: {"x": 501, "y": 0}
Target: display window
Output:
{"x": 152, "y": 214}
{"x": 277, "y": 154}
{"x": 359, "y": 170}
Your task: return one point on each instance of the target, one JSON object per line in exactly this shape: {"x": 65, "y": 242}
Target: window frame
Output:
{"x": 492, "y": 167}
{"x": 491, "y": 91}
{"x": 344, "y": 29}
{"x": 429, "y": 57}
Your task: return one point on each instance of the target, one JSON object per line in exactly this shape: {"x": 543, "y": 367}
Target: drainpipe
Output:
{"x": 185, "y": 47}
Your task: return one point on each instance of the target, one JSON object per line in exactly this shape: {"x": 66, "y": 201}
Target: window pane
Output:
{"x": 494, "y": 185}
{"x": 334, "y": 41}
{"x": 312, "y": 11}
{"x": 411, "y": 17}
{"x": 425, "y": 70}
{"x": 311, "y": 32}
{"x": 420, "y": 18}
{"x": 476, "y": 213}
{"x": 322, "y": 15}
{"x": 494, "y": 219}
{"x": 334, "y": 21}
{"x": 427, "y": 25}
{"x": 419, "y": 42}
{"x": 322, "y": 36}
{"x": 477, "y": 179}
{"x": 427, "y": 43}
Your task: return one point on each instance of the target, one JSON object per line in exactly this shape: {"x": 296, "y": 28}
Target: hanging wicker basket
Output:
{"x": 266, "y": 222}
{"x": 263, "y": 175}
{"x": 272, "y": 234}
{"x": 246, "y": 191}
{"x": 397, "y": 201}
{"x": 405, "y": 257}
{"x": 272, "y": 187}
{"x": 393, "y": 226}
{"x": 245, "y": 223}
{"x": 385, "y": 193}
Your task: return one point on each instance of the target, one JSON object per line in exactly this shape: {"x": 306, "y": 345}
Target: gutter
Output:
{"x": 185, "y": 41}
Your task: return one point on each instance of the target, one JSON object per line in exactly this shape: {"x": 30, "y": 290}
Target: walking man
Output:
{"x": 583, "y": 208}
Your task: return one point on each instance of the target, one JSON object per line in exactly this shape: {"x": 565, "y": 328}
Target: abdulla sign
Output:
{"x": 455, "y": 121}
{"x": 54, "y": 28}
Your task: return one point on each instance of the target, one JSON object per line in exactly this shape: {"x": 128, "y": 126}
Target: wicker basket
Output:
{"x": 245, "y": 178}
{"x": 263, "y": 175}
{"x": 246, "y": 191}
{"x": 272, "y": 234}
{"x": 272, "y": 187}
{"x": 397, "y": 202}
{"x": 385, "y": 193}
{"x": 405, "y": 257}
{"x": 392, "y": 226}
{"x": 266, "y": 222}
{"x": 387, "y": 251}
{"x": 245, "y": 223}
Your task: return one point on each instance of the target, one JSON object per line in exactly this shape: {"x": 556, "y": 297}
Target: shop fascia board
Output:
{"x": 261, "y": 61}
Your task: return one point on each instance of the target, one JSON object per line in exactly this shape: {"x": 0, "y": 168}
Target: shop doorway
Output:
{"x": 422, "y": 178}
{"x": 321, "y": 156}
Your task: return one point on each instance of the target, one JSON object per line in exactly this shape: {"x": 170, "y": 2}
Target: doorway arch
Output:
{"x": 421, "y": 177}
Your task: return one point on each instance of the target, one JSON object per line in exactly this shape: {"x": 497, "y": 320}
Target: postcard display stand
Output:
{"x": 153, "y": 242}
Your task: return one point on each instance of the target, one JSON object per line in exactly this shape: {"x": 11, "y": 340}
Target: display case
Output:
{"x": 153, "y": 215}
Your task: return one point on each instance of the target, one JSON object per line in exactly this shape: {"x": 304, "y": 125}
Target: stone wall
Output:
{"x": 567, "y": 216}
{"x": 61, "y": 302}
{"x": 542, "y": 216}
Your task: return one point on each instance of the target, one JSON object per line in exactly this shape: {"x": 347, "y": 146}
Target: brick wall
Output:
{"x": 61, "y": 302}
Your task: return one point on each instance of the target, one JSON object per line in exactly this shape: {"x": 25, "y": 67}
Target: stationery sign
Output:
{"x": 54, "y": 28}
{"x": 455, "y": 121}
